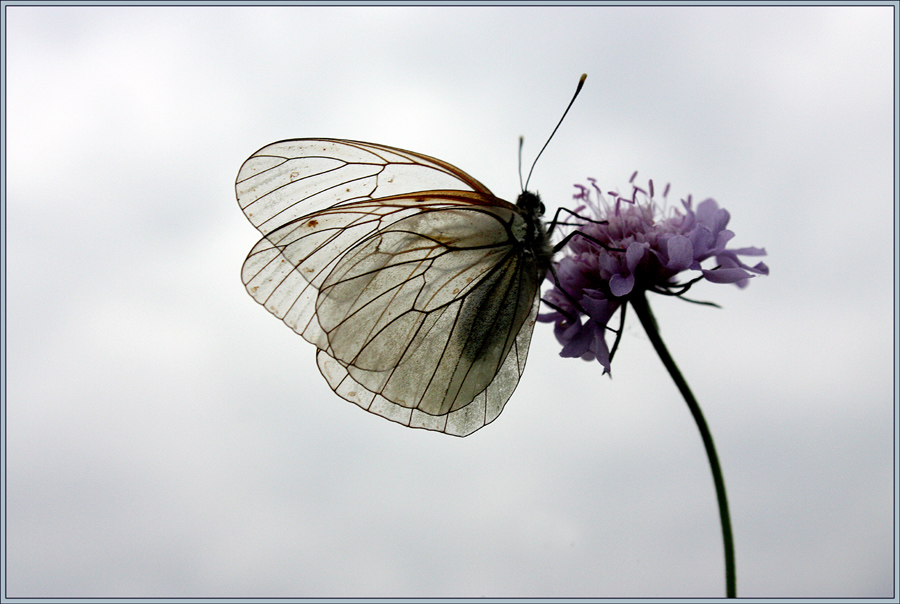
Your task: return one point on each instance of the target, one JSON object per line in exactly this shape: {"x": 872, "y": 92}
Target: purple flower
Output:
{"x": 647, "y": 247}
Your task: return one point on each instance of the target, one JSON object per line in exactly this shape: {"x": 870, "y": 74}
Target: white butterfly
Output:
{"x": 418, "y": 286}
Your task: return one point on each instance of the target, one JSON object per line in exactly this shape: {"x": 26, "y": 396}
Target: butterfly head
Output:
{"x": 530, "y": 203}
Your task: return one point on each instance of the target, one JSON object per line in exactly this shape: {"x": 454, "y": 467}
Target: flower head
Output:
{"x": 632, "y": 245}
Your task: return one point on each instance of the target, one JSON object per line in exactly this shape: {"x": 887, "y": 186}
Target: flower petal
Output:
{"x": 621, "y": 286}
{"x": 723, "y": 238}
{"x": 576, "y": 340}
{"x": 600, "y": 310}
{"x": 681, "y": 253}
{"x": 600, "y": 349}
{"x": 634, "y": 254}
{"x": 760, "y": 268}
{"x": 726, "y": 275}
{"x": 750, "y": 251}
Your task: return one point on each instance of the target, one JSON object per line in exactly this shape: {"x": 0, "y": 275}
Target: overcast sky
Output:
{"x": 167, "y": 436}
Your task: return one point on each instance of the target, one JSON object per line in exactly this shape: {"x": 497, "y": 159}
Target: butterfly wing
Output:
{"x": 431, "y": 332}
{"x": 407, "y": 275}
{"x": 293, "y": 178}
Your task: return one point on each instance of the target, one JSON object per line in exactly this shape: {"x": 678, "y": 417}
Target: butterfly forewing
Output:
{"x": 294, "y": 178}
{"x": 409, "y": 276}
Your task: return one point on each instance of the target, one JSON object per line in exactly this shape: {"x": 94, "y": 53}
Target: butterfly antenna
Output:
{"x": 574, "y": 96}
{"x": 521, "y": 142}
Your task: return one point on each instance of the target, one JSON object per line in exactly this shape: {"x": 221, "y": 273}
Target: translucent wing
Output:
{"x": 293, "y": 178}
{"x": 410, "y": 278}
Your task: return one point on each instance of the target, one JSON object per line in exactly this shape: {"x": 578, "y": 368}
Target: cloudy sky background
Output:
{"x": 166, "y": 436}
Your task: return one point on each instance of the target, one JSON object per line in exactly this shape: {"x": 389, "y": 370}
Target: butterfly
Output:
{"x": 417, "y": 285}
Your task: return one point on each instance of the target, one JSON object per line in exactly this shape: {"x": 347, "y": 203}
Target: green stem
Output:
{"x": 642, "y": 309}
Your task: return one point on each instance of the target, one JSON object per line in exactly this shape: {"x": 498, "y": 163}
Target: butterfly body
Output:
{"x": 417, "y": 285}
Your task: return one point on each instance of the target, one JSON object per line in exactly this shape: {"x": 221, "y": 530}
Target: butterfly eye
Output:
{"x": 418, "y": 287}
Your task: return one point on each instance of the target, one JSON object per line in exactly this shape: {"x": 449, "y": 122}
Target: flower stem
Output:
{"x": 642, "y": 309}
